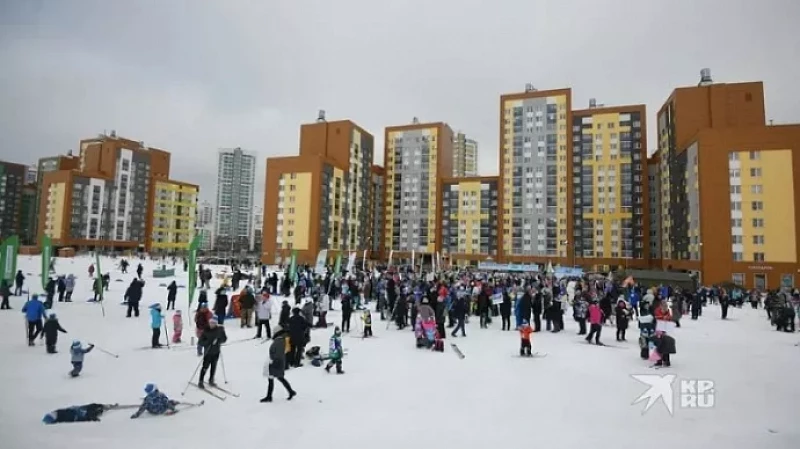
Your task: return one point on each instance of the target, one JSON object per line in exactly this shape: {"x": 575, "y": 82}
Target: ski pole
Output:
{"x": 105, "y": 352}
{"x": 222, "y": 360}
{"x": 188, "y": 383}
{"x": 166, "y": 333}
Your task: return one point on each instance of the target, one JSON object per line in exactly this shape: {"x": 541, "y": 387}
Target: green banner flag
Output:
{"x": 193, "y": 267}
{"x": 98, "y": 281}
{"x": 47, "y": 254}
{"x": 8, "y": 259}
{"x": 337, "y": 268}
{"x": 293, "y": 266}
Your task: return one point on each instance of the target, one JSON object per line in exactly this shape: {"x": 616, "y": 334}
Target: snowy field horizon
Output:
{"x": 392, "y": 395}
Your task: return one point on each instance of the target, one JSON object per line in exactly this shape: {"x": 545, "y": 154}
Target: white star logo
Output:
{"x": 660, "y": 388}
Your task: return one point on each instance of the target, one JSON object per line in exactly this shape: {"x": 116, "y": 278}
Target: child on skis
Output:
{"x": 77, "y": 352}
{"x": 367, "y": 318}
{"x": 155, "y": 323}
{"x": 336, "y": 353}
{"x": 51, "y": 330}
{"x": 525, "y": 331}
{"x": 665, "y": 345}
{"x": 156, "y": 403}
{"x": 177, "y": 326}
{"x": 647, "y": 328}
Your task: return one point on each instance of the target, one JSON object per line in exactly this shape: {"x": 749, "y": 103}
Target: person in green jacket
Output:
{"x": 336, "y": 353}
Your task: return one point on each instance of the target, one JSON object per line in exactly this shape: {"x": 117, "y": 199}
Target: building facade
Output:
{"x": 12, "y": 182}
{"x": 535, "y": 172}
{"x": 417, "y": 157}
{"x": 469, "y": 219}
{"x": 258, "y": 229}
{"x": 236, "y": 175}
{"x": 610, "y": 188}
{"x": 205, "y": 214}
{"x": 654, "y": 210}
{"x": 45, "y": 165}
{"x": 206, "y": 234}
{"x": 27, "y": 217}
{"x": 172, "y": 224}
{"x": 729, "y": 210}
{"x": 465, "y": 156}
{"x": 376, "y": 219}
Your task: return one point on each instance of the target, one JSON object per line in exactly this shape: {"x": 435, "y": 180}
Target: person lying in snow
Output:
{"x": 77, "y": 413}
{"x": 156, "y": 403}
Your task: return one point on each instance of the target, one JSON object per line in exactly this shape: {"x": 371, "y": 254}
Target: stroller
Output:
{"x": 427, "y": 335}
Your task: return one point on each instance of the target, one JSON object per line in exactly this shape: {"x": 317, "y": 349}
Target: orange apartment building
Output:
{"x": 728, "y": 187}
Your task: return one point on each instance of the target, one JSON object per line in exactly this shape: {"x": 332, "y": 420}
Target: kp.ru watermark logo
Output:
{"x": 694, "y": 393}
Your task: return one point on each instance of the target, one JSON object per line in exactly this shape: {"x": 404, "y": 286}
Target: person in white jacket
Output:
{"x": 263, "y": 313}
{"x": 323, "y": 312}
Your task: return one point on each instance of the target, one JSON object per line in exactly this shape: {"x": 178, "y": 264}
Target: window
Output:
{"x": 758, "y": 222}
{"x": 758, "y": 240}
{"x": 733, "y": 156}
{"x": 755, "y": 172}
{"x": 756, "y": 189}
{"x": 738, "y": 278}
{"x": 737, "y": 257}
{"x": 755, "y": 155}
{"x": 736, "y": 189}
{"x": 736, "y": 205}
{"x": 736, "y": 222}
{"x": 757, "y": 205}
{"x": 736, "y": 239}
{"x": 758, "y": 257}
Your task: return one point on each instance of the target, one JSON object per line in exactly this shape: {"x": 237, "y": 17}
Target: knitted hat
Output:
{"x": 149, "y": 388}
{"x": 76, "y": 343}
{"x": 49, "y": 418}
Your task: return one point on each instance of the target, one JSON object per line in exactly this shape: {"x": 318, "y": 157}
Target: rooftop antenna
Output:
{"x": 321, "y": 115}
{"x": 529, "y": 87}
{"x": 705, "y": 77}
{"x": 415, "y": 121}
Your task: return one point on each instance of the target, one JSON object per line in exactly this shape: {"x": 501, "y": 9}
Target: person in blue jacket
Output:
{"x": 155, "y": 323}
{"x": 156, "y": 403}
{"x": 34, "y": 314}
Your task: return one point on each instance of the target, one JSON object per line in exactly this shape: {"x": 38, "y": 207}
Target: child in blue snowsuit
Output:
{"x": 77, "y": 352}
{"x": 156, "y": 403}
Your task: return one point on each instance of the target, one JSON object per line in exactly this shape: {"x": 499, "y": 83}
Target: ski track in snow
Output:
{"x": 572, "y": 399}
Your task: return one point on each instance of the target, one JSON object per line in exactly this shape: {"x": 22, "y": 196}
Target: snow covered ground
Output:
{"x": 393, "y": 395}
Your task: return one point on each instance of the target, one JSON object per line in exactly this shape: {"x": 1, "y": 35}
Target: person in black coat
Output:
{"x": 172, "y": 292}
{"x": 51, "y": 329}
{"x": 391, "y": 293}
{"x": 19, "y": 279}
{"x": 483, "y": 308}
{"x": 221, "y": 304}
{"x": 62, "y": 288}
{"x": 460, "y": 313}
{"x": 347, "y": 310}
{"x": 401, "y": 312}
{"x": 50, "y": 289}
{"x": 505, "y": 311}
{"x": 297, "y": 337}
{"x": 211, "y": 341}
{"x": 283, "y": 320}
{"x": 5, "y": 292}
{"x": 133, "y": 295}
{"x": 139, "y": 270}
{"x": 531, "y": 303}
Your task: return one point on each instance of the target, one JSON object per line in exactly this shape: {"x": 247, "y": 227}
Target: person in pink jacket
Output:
{"x": 595, "y": 322}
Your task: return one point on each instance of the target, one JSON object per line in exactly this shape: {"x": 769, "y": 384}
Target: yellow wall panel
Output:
{"x": 778, "y": 195}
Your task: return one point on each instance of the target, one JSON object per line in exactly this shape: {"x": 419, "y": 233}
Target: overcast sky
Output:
{"x": 190, "y": 76}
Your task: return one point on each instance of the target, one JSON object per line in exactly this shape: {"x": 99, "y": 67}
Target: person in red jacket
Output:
{"x": 595, "y": 323}
{"x": 525, "y": 332}
{"x": 201, "y": 321}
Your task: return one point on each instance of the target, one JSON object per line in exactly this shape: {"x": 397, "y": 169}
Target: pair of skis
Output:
{"x": 535, "y": 355}
{"x": 216, "y": 391}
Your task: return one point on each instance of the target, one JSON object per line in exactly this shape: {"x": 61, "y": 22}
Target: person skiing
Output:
{"x": 647, "y": 328}
{"x": 51, "y": 329}
{"x": 155, "y": 324}
{"x": 50, "y": 290}
{"x": 336, "y": 353}
{"x": 34, "y": 313}
{"x": 79, "y": 413}
{"x": 177, "y": 327}
{"x": 69, "y": 283}
{"x": 211, "y": 341}
{"x": 525, "y": 331}
{"x": 275, "y": 367}
{"x": 156, "y": 402}
{"x": 132, "y": 296}
{"x": 77, "y": 352}
{"x": 460, "y": 312}
{"x": 172, "y": 293}
{"x": 139, "y": 270}
{"x": 201, "y": 319}
{"x": 367, "y": 318}
{"x": 580, "y": 308}
{"x": 5, "y": 292}
{"x": 19, "y": 279}
{"x": 221, "y": 304}
{"x": 347, "y": 310}
{"x": 623, "y": 316}
{"x": 247, "y": 301}
{"x": 595, "y": 323}
{"x": 263, "y": 314}
{"x": 61, "y": 285}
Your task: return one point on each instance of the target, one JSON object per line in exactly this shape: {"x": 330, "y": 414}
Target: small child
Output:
{"x": 525, "y": 339}
{"x": 78, "y": 352}
{"x": 177, "y": 326}
{"x": 367, "y": 318}
{"x": 336, "y": 353}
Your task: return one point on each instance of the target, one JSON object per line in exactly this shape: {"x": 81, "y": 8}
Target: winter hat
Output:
{"x": 49, "y": 418}
{"x": 177, "y": 312}
{"x": 277, "y": 330}
{"x": 149, "y": 388}
{"x": 52, "y": 316}
{"x": 76, "y": 343}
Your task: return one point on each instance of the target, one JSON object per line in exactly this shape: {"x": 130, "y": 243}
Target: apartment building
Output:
{"x": 172, "y": 222}
{"x": 469, "y": 219}
{"x": 729, "y": 192}
{"x": 465, "y": 156}
{"x": 654, "y": 209}
{"x": 236, "y": 177}
{"x": 45, "y": 165}
{"x": 417, "y": 156}
{"x": 535, "y": 175}
{"x": 610, "y": 188}
{"x": 12, "y": 181}
{"x": 376, "y": 211}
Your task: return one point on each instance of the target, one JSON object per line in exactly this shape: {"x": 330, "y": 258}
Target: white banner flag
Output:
{"x": 322, "y": 257}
